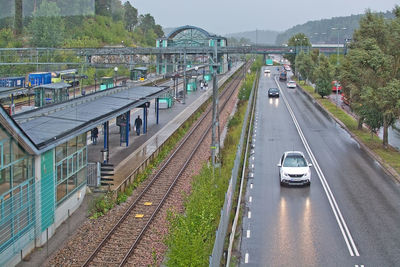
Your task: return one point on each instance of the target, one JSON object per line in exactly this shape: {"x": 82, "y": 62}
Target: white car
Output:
{"x": 294, "y": 169}
{"x": 291, "y": 84}
{"x": 267, "y": 71}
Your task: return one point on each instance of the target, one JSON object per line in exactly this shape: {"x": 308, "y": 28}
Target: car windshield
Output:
{"x": 273, "y": 90}
{"x": 294, "y": 161}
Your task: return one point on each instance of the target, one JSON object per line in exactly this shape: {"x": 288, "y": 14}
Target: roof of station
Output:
{"x": 54, "y": 86}
{"x": 190, "y": 36}
{"x": 7, "y": 91}
{"x": 44, "y": 128}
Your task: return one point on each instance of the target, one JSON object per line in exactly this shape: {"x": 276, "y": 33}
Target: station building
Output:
{"x": 189, "y": 36}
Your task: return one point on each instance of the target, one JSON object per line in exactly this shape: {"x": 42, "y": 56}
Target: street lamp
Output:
{"x": 337, "y": 63}
{"x": 115, "y": 75}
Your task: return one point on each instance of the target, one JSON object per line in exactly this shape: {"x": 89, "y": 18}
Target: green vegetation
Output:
{"x": 391, "y": 156}
{"x": 320, "y": 31}
{"x": 76, "y": 23}
{"x": 324, "y": 75}
{"x": 191, "y": 236}
{"x": 300, "y": 41}
{"x": 369, "y": 73}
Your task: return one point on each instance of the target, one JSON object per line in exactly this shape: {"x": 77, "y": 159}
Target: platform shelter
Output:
{"x": 44, "y": 163}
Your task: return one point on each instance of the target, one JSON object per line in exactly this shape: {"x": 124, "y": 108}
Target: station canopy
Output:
{"x": 189, "y": 36}
{"x": 55, "y": 124}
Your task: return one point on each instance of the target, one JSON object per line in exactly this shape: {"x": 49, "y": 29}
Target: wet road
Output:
{"x": 349, "y": 216}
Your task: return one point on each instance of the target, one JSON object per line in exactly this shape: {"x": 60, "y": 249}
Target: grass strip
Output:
{"x": 192, "y": 233}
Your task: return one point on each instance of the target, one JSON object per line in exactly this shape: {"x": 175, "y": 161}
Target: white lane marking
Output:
{"x": 248, "y": 234}
{"x": 252, "y": 166}
{"x": 251, "y": 186}
{"x": 332, "y": 201}
{"x": 246, "y": 258}
{"x": 249, "y": 215}
{"x": 252, "y": 158}
{"x": 250, "y": 199}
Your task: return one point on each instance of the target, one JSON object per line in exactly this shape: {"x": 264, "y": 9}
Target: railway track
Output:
{"x": 130, "y": 228}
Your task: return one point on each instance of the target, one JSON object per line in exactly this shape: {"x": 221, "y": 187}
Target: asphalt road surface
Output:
{"x": 348, "y": 216}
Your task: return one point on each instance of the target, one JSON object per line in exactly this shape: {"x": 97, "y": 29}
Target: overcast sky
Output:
{"x": 231, "y": 16}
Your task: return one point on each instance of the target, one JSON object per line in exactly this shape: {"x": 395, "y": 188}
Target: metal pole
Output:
{"x": 214, "y": 141}
{"x": 184, "y": 76}
{"x": 214, "y": 115}
{"x": 337, "y": 66}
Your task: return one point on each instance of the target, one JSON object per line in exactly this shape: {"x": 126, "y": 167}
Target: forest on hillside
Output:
{"x": 321, "y": 32}
{"x": 75, "y": 23}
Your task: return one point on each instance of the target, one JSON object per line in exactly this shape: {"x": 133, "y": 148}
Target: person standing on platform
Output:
{"x": 95, "y": 135}
{"x": 206, "y": 86}
{"x": 138, "y": 124}
{"x": 201, "y": 85}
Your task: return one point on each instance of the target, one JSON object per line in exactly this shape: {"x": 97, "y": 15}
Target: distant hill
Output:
{"x": 259, "y": 36}
{"x": 320, "y": 31}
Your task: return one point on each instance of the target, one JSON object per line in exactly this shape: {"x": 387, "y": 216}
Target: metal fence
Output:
{"x": 93, "y": 177}
{"x": 220, "y": 234}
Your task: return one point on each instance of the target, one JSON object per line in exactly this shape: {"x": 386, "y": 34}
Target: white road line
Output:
{"x": 246, "y": 258}
{"x": 249, "y": 215}
{"x": 332, "y": 201}
{"x": 250, "y": 199}
{"x": 248, "y": 234}
{"x": 251, "y": 186}
{"x": 252, "y": 166}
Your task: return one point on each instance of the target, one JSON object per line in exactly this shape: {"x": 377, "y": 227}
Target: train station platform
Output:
{"x": 125, "y": 159}
{"x": 128, "y": 160}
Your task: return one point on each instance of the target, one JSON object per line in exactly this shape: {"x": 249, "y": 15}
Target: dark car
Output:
{"x": 273, "y": 92}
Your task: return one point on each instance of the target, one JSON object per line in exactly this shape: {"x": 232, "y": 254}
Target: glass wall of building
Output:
{"x": 16, "y": 190}
{"x": 71, "y": 162}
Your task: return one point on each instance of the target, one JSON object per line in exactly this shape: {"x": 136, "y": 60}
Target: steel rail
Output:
{"x": 155, "y": 177}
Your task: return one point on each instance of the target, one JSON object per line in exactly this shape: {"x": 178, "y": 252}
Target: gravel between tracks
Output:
{"x": 151, "y": 249}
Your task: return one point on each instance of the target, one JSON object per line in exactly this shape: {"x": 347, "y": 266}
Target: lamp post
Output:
{"x": 337, "y": 63}
{"x": 115, "y": 75}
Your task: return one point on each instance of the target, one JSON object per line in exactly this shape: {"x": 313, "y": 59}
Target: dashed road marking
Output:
{"x": 250, "y": 199}
{"x": 251, "y": 186}
{"x": 248, "y": 234}
{"x": 249, "y": 215}
{"x": 246, "y": 258}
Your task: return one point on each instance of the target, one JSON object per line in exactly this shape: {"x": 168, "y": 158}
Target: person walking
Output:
{"x": 138, "y": 124}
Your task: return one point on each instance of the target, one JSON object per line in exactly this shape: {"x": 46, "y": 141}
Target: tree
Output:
{"x": 103, "y": 7}
{"x": 130, "y": 16}
{"x": 158, "y": 31}
{"x": 18, "y": 17}
{"x": 146, "y": 22}
{"x": 324, "y": 75}
{"x": 371, "y": 70}
{"x": 314, "y": 56}
{"x": 299, "y": 41}
{"x": 47, "y": 27}
{"x": 305, "y": 65}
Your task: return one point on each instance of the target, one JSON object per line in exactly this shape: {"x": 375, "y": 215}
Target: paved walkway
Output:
{"x": 125, "y": 159}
